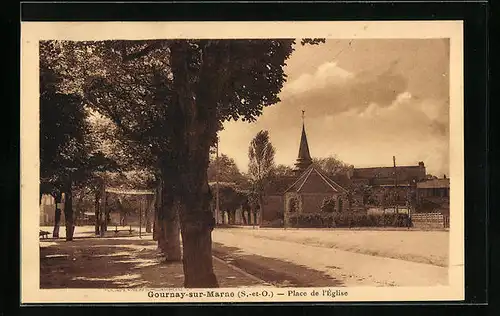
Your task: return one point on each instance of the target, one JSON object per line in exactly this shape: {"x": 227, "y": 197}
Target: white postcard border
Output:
{"x": 32, "y": 32}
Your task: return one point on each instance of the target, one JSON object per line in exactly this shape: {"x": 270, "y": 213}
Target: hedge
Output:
{"x": 331, "y": 220}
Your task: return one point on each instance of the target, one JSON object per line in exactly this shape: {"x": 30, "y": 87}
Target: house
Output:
{"x": 401, "y": 175}
{"x": 48, "y": 210}
{"x": 389, "y": 186}
{"x": 434, "y": 196}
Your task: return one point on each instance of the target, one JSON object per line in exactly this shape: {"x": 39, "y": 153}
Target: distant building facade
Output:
{"x": 433, "y": 195}
{"x": 379, "y": 176}
{"x": 390, "y": 186}
{"x": 48, "y": 210}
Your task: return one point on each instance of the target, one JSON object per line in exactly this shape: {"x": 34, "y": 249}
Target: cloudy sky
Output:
{"x": 365, "y": 100}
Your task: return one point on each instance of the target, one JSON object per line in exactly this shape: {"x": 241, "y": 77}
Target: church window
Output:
{"x": 293, "y": 205}
{"x": 328, "y": 205}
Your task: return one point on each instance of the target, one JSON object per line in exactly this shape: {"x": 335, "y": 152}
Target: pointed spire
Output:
{"x": 304, "y": 147}
{"x": 304, "y": 158}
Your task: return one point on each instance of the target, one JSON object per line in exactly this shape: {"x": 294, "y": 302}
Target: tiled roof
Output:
{"x": 434, "y": 184}
{"x": 313, "y": 180}
{"x": 404, "y": 172}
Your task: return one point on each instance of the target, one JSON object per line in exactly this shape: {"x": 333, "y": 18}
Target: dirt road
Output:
{"x": 286, "y": 263}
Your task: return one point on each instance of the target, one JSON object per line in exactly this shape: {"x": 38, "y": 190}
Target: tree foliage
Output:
{"x": 283, "y": 171}
{"x": 332, "y": 166}
{"x": 62, "y": 126}
{"x": 67, "y": 152}
{"x": 261, "y": 160}
{"x": 227, "y": 170}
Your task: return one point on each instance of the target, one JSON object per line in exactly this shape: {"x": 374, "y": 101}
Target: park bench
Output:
{"x": 130, "y": 230}
{"x": 44, "y": 234}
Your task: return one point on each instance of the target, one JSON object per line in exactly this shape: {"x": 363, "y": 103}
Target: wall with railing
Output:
{"x": 430, "y": 220}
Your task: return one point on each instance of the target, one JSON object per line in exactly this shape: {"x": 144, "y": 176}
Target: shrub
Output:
{"x": 330, "y": 220}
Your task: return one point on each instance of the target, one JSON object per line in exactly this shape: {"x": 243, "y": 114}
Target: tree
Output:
{"x": 283, "y": 171}
{"x": 332, "y": 166}
{"x": 174, "y": 95}
{"x": 135, "y": 163}
{"x": 228, "y": 171}
{"x": 62, "y": 147}
{"x": 138, "y": 83}
{"x": 261, "y": 165}
{"x": 68, "y": 157}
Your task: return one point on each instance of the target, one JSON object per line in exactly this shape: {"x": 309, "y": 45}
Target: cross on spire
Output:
{"x": 303, "y": 115}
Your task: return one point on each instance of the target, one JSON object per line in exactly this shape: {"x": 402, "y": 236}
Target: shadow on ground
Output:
{"x": 274, "y": 271}
{"x": 117, "y": 263}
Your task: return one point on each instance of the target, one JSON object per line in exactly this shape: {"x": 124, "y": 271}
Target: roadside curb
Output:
{"x": 251, "y": 276}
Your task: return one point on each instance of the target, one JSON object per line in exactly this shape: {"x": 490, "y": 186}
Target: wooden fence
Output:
{"x": 430, "y": 220}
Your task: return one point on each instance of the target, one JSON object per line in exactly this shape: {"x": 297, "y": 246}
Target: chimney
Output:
{"x": 422, "y": 173}
{"x": 350, "y": 172}
{"x": 444, "y": 176}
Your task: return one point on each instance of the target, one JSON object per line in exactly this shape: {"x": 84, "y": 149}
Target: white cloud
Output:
{"x": 326, "y": 74}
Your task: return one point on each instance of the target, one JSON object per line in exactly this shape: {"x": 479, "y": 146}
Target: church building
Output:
{"x": 304, "y": 192}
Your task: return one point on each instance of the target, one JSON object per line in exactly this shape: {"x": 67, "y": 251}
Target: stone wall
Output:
{"x": 311, "y": 203}
{"x": 273, "y": 208}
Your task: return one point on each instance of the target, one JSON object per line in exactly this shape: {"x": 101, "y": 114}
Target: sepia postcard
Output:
{"x": 212, "y": 162}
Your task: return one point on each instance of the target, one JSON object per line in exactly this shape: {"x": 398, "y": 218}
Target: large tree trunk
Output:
{"x": 171, "y": 237}
{"x": 97, "y": 212}
{"x": 106, "y": 214}
{"x": 57, "y": 215}
{"x": 233, "y": 217}
{"x": 197, "y": 223}
{"x": 261, "y": 210}
{"x": 57, "y": 222}
{"x": 147, "y": 215}
{"x": 169, "y": 230}
{"x": 195, "y": 128}
{"x": 148, "y": 224}
{"x": 155, "y": 224}
{"x": 102, "y": 213}
{"x": 244, "y": 217}
{"x": 156, "y": 213}
{"x": 68, "y": 212}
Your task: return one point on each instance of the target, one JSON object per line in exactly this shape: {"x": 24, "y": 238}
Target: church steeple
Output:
{"x": 304, "y": 159}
